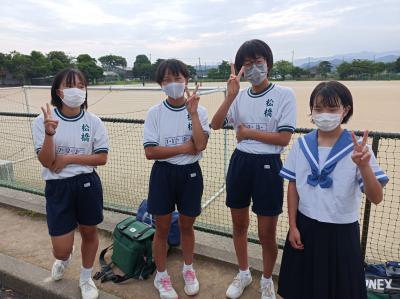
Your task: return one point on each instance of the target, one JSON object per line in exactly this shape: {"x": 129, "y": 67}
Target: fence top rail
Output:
{"x": 120, "y": 88}
{"x": 372, "y": 134}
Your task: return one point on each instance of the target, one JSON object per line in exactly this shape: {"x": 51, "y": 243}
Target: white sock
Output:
{"x": 244, "y": 272}
{"x": 86, "y": 273}
{"x": 187, "y": 267}
{"x": 265, "y": 280}
{"x": 64, "y": 263}
{"x": 162, "y": 274}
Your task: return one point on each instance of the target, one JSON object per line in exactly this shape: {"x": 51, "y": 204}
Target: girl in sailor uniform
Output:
{"x": 327, "y": 169}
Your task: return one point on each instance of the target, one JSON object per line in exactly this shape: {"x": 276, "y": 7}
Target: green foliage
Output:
{"x": 142, "y": 67}
{"x": 88, "y": 66}
{"x": 324, "y": 68}
{"x": 221, "y": 72}
{"x": 282, "y": 68}
{"x": 109, "y": 62}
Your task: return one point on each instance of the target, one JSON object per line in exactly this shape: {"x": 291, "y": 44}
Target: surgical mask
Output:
{"x": 327, "y": 121}
{"x": 74, "y": 97}
{"x": 174, "y": 90}
{"x": 256, "y": 74}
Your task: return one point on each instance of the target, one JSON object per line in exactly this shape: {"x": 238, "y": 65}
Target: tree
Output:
{"x": 221, "y": 72}
{"x": 283, "y": 68}
{"x": 142, "y": 67}
{"x": 108, "y": 62}
{"x": 324, "y": 67}
{"x": 344, "y": 70}
{"x": 19, "y": 66}
{"x": 397, "y": 65}
{"x": 192, "y": 71}
{"x": 58, "y": 61}
{"x": 297, "y": 72}
{"x": 87, "y": 65}
{"x": 39, "y": 66}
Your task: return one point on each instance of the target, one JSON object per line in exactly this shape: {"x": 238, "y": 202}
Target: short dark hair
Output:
{"x": 333, "y": 94}
{"x": 175, "y": 66}
{"x": 68, "y": 75}
{"x": 252, "y": 49}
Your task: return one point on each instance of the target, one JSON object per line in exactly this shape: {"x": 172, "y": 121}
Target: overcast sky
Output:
{"x": 212, "y": 30}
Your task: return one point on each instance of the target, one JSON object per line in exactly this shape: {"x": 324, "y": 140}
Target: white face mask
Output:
{"x": 174, "y": 90}
{"x": 74, "y": 97}
{"x": 327, "y": 121}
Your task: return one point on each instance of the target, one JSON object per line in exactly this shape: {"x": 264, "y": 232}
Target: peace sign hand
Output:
{"x": 192, "y": 101}
{"x": 233, "y": 85}
{"x": 361, "y": 154}
{"x": 50, "y": 124}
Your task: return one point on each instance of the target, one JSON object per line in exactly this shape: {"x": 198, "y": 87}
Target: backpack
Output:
{"x": 131, "y": 252}
{"x": 383, "y": 280}
{"x": 174, "y": 237}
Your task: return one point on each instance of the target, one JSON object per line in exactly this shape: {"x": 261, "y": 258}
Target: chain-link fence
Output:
{"x": 125, "y": 178}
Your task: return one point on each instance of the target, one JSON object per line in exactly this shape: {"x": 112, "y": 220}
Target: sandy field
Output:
{"x": 125, "y": 177}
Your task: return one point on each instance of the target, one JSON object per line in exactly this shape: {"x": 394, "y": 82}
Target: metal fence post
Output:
{"x": 225, "y": 146}
{"x": 367, "y": 207}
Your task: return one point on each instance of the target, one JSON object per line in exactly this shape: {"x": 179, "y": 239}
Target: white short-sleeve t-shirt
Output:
{"x": 84, "y": 134}
{"x": 166, "y": 125}
{"x": 273, "y": 110}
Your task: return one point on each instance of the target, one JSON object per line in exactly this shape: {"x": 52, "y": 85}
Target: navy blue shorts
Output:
{"x": 72, "y": 201}
{"x": 255, "y": 176}
{"x": 175, "y": 185}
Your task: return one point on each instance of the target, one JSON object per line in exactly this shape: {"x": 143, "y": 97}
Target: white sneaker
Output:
{"x": 236, "y": 288}
{"x": 267, "y": 289}
{"x": 191, "y": 283}
{"x": 88, "y": 289}
{"x": 164, "y": 286}
{"x": 59, "y": 266}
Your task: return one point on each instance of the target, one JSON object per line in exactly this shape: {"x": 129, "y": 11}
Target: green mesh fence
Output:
{"x": 125, "y": 179}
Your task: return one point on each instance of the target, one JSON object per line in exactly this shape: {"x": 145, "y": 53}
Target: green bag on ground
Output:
{"x": 132, "y": 252}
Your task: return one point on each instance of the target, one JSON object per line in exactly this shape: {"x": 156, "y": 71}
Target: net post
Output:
{"x": 367, "y": 207}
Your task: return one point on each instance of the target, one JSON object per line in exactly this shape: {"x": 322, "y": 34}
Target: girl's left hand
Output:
{"x": 192, "y": 101}
{"x": 361, "y": 154}
{"x": 241, "y": 133}
{"x": 59, "y": 163}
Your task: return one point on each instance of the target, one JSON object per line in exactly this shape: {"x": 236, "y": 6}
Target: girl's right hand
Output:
{"x": 50, "y": 124}
{"x": 233, "y": 85}
{"x": 295, "y": 239}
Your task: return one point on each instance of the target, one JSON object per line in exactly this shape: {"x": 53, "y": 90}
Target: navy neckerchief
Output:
{"x": 309, "y": 147}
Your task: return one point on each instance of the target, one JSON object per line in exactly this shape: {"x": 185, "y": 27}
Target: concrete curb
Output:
{"x": 35, "y": 282}
{"x": 207, "y": 245}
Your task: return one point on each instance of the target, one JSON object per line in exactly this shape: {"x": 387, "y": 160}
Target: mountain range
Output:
{"x": 309, "y": 62}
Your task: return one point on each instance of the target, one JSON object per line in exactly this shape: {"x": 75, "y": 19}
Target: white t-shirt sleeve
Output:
{"x": 38, "y": 133}
{"x": 378, "y": 172}
{"x": 204, "y": 120}
{"x": 232, "y": 115}
{"x": 100, "y": 138}
{"x": 151, "y": 136}
{"x": 288, "y": 170}
{"x": 287, "y": 119}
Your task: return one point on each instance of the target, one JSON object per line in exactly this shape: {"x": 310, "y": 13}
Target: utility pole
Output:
{"x": 150, "y": 57}
{"x": 200, "y": 67}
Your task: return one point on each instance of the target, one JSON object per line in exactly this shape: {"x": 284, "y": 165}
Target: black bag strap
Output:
{"x": 106, "y": 273}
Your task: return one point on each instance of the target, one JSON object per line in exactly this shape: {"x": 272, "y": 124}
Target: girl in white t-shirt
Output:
{"x": 327, "y": 170}
{"x": 70, "y": 142}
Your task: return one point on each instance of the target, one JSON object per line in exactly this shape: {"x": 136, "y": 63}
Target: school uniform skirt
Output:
{"x": 329, "y": 267}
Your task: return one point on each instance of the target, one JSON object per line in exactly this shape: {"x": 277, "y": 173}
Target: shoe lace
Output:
{"x": 266, "y": 289}
{"x": 189, "y": 276}
{"x": 86, "y": 286}
{"x": 166, "y": 283}
{"x": 237, "y": 282}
